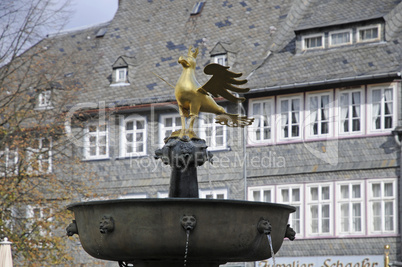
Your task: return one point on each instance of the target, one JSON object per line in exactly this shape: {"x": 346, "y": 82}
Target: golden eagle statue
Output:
{"x": 193, "y": 98}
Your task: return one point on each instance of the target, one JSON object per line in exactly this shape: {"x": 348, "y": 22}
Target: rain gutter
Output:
{"x": 327, "y": 82}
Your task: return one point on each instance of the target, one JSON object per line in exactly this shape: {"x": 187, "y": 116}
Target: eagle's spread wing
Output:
{"x": 222, "y": 81}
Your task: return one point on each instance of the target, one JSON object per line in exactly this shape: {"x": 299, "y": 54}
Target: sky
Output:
{"x": 90, "y": 12}
{"x": 82, "y": 13}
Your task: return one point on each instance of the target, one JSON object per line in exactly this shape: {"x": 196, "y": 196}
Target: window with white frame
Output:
{"x": 292, "y": 195}
{"x": 369, "y": 34}
{"x": 264, "y": 120}
{"x": 343, "y": 37}
{"x": 9, "y": 216}
{"x": 319, "y": 210}
{"x": 96, "y": 143}
{"x": 121, "y": 75}
{"x": 355, "y": 207}
{"x": 168, "y": 124}
{"x": 382, "y": 206}
{"x": 8, "y": 162}
{"x": 313, "y": 42}
{"x": 290, "y": 117}
{"x": 220, "y": 59}
{"x": 40, "y": 155}
{"x": 319, "y": 116}
{"x": 213, "y": 133}
{"x": 36, "y": 214}
{"x": 214, "y": 193}
{"x": 351, "y": 111}
{"x": 382, "y": 108}
{"x": 350, "y": 207}
{"x": 44, "y": 99}
{"x": 261, "y": 193}
{"x": 133, "y": 136}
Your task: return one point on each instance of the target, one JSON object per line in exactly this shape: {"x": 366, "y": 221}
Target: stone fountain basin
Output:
{"x": 147, "y": 230}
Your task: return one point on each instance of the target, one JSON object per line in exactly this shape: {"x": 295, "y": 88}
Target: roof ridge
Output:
{"x": 393, "y": 22}
{"x": 288, "y": 26}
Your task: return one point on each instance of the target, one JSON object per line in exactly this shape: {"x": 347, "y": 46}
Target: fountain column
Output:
{"x": 184, "y": 155}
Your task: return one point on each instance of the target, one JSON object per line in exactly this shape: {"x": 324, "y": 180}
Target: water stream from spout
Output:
{"x": 186, "y": 250}
{"x": 209, "y": 172}
{"x": 272, "y": 249}
{"x": 100, "y": 244}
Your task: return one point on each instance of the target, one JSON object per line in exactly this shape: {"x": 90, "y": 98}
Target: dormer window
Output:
{"x": 368, "y": 34}
{"x": 221, "y": 53}
{"x": 313, "y": 42}
{"x": 220, "y": 59}
{"x": 44, "y": 99}
{"x": 335, "y": 36}
{"x": 340, "y": 38}
{"x": 121, "y": 75}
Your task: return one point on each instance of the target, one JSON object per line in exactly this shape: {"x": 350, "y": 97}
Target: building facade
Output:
{"x": 325, "y": 92}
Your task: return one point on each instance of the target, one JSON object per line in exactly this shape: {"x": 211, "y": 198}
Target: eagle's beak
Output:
{"x": 183, "y": 62}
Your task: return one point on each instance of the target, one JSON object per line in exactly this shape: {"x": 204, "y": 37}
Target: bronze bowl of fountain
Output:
{"x": 153, "y": 232}
{"x": 182, "y": 228}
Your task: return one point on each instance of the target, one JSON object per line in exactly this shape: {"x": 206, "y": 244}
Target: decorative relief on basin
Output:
{"x": 188, "y": 222}
{"x": 106, "y": 224}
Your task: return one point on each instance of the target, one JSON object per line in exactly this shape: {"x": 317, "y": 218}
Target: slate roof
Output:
{"x": 327, "y": 66}
{"x": 336, "y": 12}
{"x": 153, "y": 34}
